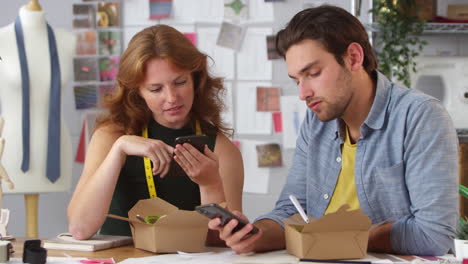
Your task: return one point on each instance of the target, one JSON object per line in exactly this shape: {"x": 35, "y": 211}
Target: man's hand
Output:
{"x": 240, "y": 241}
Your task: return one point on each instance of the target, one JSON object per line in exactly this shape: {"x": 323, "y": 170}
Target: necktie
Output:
{"x": 53, "y": 135}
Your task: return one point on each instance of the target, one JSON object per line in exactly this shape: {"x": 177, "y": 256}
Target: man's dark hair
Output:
{"x": 331, "y": 26}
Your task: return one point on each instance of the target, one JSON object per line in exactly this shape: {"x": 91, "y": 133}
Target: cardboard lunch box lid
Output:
{"x": 169, "y": 239}
{"x": 173, "y": 216}
{"x": 330, "y": 245}
{"x": 341, "y": 220}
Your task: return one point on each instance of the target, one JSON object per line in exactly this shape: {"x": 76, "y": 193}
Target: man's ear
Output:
{"x": 354, "y": 56}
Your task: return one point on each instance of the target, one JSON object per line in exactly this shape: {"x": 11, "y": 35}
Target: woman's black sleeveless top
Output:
{"x": 131, "y": 186}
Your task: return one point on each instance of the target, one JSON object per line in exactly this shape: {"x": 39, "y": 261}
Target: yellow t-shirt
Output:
{"x": 345, "y": 189}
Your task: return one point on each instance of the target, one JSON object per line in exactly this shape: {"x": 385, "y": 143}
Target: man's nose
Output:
{"x": 305, "y": 90}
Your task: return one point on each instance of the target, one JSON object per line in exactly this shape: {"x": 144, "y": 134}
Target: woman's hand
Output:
{"x": 157, "y": 151}
{"x": 203, "y": 169}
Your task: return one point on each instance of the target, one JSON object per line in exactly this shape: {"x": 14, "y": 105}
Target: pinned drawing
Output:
{"x": 108, "y": 14}
{"x": 83, "y": 16}
{"x": 269, "y": 155}
{"x": 109, "y": 43}
{"x": 231, "y": 36}
{"x": 86, "y": 43}
{"x": 268, "y": 99}
{"x": 108, "y": 68}
{"x": 85, "y": 69}
{"x": 272, "y": 53}
{"x": 234, "y": 9}
{"x": 160, "y": 9}
{"x": 85, "y": 96}
{"x": 104, "y": 92}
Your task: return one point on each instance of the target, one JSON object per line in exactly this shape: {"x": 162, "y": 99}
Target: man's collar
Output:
{"x": 376, "y": 117}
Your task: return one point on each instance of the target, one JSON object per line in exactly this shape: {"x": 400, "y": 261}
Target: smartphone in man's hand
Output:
{"x": 214, "y": 210}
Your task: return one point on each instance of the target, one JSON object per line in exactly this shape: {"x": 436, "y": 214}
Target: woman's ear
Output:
{"x": 354, "y": 56}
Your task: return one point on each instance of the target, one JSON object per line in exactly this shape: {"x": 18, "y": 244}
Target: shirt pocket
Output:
{"x": 389, "y": 195}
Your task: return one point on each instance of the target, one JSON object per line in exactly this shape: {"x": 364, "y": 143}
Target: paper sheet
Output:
{"x": 340, "y": 3}
{"x": 222, "y": 63}
{"x": 110, "y": 43}
{"x": 236, "y": 9}
{"x": 269, "y": 155}
{"x": 225, "y": 256}
{"x": 255, "y": 179}
{"x": 86, "y": 43}
{"x": 252, "y": 60}
{"x": 85, "y": 69}
{"x": 136, "y": 13}
{"x": 183, "y": 11}
{"x": 85, "y": 96}
{"x": 184, "y": 28}
{"x": 277, "y": 122}
{"x": 52, "y": 260}
{"x": 128, "y": 33}
{"x": 268, "y": 99}
{"x": 273, "y": 257}
{"x": 204, "y": 11}
{"x": 192, "y": 37}
{"x": 231, "y": 36}
{"x": 272, "y": 53}
{"x": 160, "y": 9}
{"x": 293, "y": 112}
{"x": 248, "y": 120}
{"x": 260, "y": 11}
{"x": 108, "y": 14}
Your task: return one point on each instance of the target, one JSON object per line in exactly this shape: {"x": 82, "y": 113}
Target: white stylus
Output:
{"x": 299, "y": 208}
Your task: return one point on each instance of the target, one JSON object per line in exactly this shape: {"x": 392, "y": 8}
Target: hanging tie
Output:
{"x": 53, "y": 135}
{"x": 25, "y": 91}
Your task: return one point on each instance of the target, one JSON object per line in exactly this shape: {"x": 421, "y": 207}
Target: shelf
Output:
{"x": 429, "y": 28}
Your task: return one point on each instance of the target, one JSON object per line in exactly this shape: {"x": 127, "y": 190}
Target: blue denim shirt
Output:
{"x": 406, "y": 169}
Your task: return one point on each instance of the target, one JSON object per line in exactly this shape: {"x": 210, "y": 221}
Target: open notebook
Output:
{"x": 65, "y": 241}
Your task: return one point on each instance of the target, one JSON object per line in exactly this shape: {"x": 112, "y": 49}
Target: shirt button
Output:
{"x": 338, "y": 159}
{"x": 325, "y": 196}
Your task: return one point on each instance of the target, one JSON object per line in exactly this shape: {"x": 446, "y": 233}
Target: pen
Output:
{"x": 299, "y": 208}
{"x": 336, "y": 261}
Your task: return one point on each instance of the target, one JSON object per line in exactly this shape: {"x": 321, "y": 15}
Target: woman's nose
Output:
{"x": 171, "y": 95}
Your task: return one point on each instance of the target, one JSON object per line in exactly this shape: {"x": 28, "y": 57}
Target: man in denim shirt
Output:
{"x": 388, "y": 150}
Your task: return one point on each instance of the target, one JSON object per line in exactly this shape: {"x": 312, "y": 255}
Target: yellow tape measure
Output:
{"x": 147, "y": 163}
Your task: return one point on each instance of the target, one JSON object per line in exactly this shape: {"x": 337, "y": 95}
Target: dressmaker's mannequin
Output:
{"x": 36, "y": 44}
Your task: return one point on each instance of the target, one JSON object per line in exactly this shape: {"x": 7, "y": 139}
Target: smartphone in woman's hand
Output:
{"x": 197, "y": 141}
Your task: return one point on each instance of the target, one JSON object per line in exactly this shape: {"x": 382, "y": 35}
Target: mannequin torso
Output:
{"x": 37, "y": 52}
